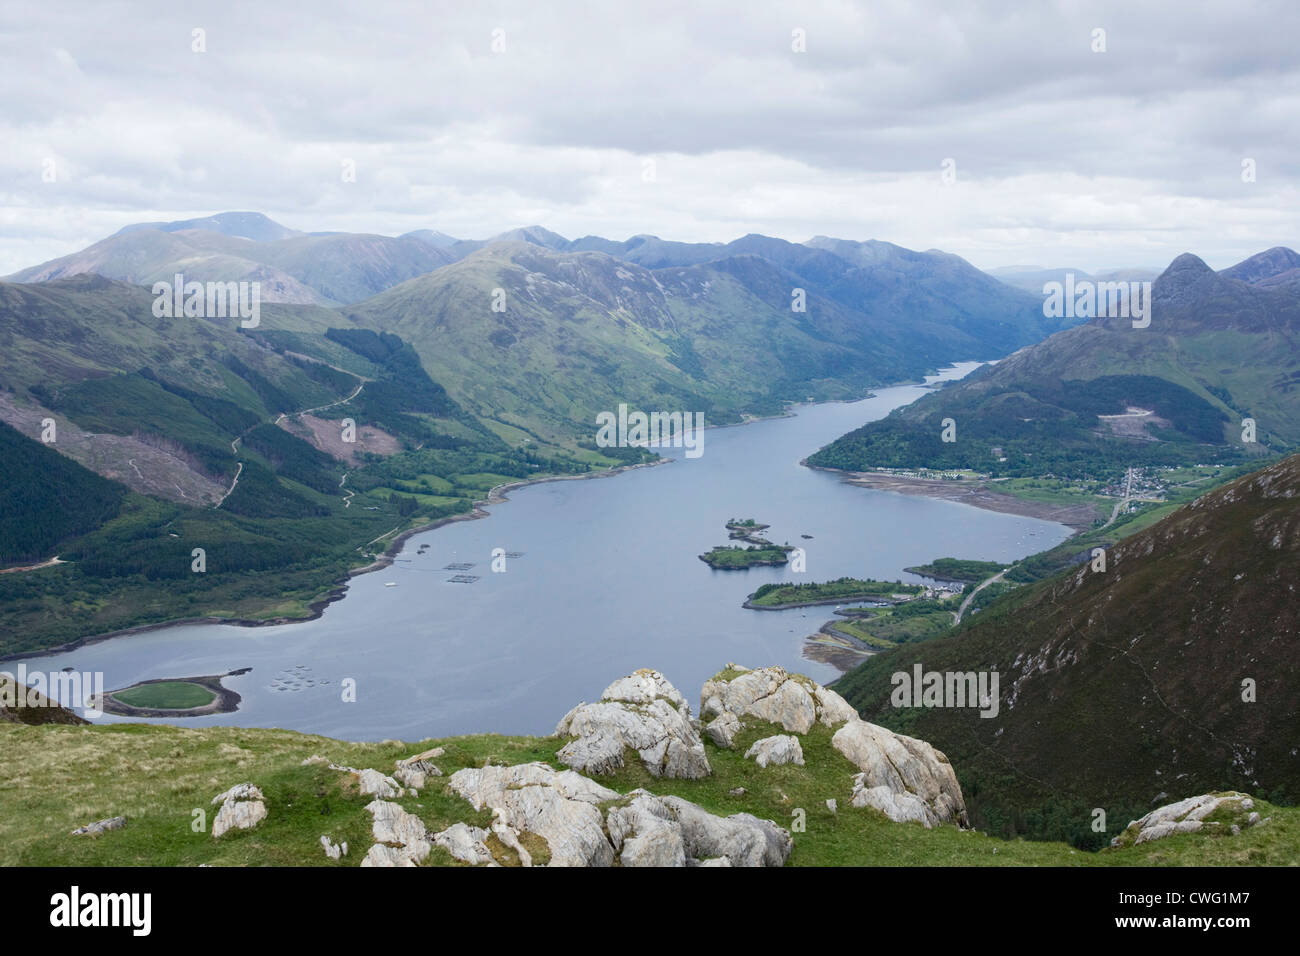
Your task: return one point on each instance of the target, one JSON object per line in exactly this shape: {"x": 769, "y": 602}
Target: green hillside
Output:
{"x": 1123, "y": 686}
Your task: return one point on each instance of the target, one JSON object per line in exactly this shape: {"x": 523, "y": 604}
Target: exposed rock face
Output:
{"x": 904, "y": 778}
{"x": 562, "y": 807}
{"x": 242, "y": 808}
{"x": 646, "y": 833}
{"x": 100, "y": 826}
{"x": 644, "y": 712}
{"x": 334, "y": 850}
{"x": 396, "y": 830}
{"x": 774, "y": 695}
{"x": 643, "y": 829}
{"x": 722, "y": 730}
{"x": 742, "y": 838}
{"x": 780, "y": 749}
{"x": 413, "y": 772}
{"x": 372, "y": 783}
{"x": 465, "y": 843}
{"x": 1188, "y": 816}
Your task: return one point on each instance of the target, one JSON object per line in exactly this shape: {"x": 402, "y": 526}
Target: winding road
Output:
{"x": 957, "y": 614}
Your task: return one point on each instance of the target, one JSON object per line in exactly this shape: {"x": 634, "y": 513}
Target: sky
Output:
{"x": 1007, "y": 133}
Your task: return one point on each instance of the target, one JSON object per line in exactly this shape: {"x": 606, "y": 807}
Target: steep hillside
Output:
{"x": 1104, "y": 394}
{"x": 1170, "y": 672}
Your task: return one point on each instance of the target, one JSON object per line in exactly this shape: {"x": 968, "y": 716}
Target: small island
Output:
{"x": 779, "y": 597}
{"x": 957, "y": 570}
{"x": 748, "y": 530}
{"x": 760, "y": 551}
{"x": 736, "y": 558}
{"x": 172, "y": 697}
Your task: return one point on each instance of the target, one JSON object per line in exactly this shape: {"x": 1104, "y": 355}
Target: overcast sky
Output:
{"x": 1062, "y": 156}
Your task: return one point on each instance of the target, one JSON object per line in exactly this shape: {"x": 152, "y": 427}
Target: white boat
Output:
{"x": 390, "y": 584}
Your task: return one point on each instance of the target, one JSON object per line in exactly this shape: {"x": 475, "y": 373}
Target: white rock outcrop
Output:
{"x": 562, "y": 807}
{"x": 414, "y": 771}
{"x": 242, "y": 808}
{"x": 372, "y": 783}
{"x": 397, "y": 831}
{"x": 722, "y": 730}
{"x": 100, "y": 826}
{"x": 643, "y": 712}
{"x": 783, "y": 748}
{"x": 670, "y": 831}
{"x": 774, "y": 695}
{"x": 334, "y": 850}
{"x": 640, "y": 829}
{"x": 1188, "y": 816}
{"x": 904, "y": 778}
{"x": 465, "y": 843}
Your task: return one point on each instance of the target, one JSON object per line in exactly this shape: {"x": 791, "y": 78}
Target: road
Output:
{"x": 1128, "y": 492}
{"x": 970, "y": 597}
{"x": 238, "y": 472}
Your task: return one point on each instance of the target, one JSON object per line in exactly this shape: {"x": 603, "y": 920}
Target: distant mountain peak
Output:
{"x": 1264, "y": 265}
{"x": 243, "y": 225}
{"x": 537, "y": 235}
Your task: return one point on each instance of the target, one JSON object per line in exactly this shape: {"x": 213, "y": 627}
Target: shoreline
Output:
{"x": 316, "y": 608}
{"x": 225, "y": 701}
{"x": 496, "y": 495}
{"x": 976, "y": 493}
{"x": 890, "y": 602}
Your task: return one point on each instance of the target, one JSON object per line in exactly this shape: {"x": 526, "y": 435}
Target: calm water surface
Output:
{"x": 607, "y": 581}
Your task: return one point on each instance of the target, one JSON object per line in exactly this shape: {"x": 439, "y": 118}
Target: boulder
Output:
{"x": 465, "y": 843}
{"x": 742, "y": 838}
{"x": 242, "y": 808}
{"x": 334, "y": 850}
{"x": 783, "y": 748}
{"x": 645, "y": 832}
{"x": 372, "y": 783}
{"x": 414, "y": 771}
{"x": 643, "y": 712}
{"x": 562, "y": 807}
{"x": 380, "y": 855}
{"x": 905, "y": 778}
{"x": 100, "y": 826}
{"x": 1189, "y": 816}
{"x": 394, "y": 827}
{"x": 792, "y": 701}
{"x": 722, "y": 730}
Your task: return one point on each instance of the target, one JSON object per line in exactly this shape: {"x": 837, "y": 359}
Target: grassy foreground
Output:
{"x": 61, "y": 777}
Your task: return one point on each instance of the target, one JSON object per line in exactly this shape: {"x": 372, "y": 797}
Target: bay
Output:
{"x": 607, "y": 581}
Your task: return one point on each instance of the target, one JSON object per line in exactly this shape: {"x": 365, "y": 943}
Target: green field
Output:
{"x": 61, "y": 777}
{"x": 166, "y": 695}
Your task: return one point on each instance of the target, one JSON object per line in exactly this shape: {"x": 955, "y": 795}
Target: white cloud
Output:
{"x": 1064, "y": 156}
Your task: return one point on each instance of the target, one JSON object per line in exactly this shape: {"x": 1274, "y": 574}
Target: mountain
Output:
{"x": 1169, "y": 673}
{"x": 583, "y": 332}
{"x": 1274, "y": 268}
{"x": 242, "y": 225}
{"x": 432, "y": 237}
{"x": 325, "y": 269}
{"x": 1104, "y": 395}
{"x": 1033, "y": 278}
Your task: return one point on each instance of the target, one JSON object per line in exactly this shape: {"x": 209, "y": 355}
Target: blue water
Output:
{"x": 608, "y": 582}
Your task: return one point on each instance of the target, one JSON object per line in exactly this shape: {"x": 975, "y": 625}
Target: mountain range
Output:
{"x": 1221, "y": 348}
